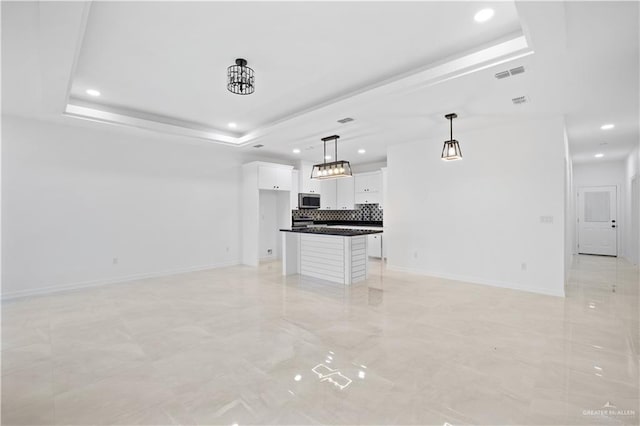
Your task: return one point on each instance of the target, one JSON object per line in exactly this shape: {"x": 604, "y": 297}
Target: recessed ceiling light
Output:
{"x": 327, "y": 157}
{"x": 361, "y": 151}
{"x": 599, "y": 155}
{"x": 484, "y": 15}
{"x": 232, "y": 125}
{"x": 93, "y": 92}
{"x": 296, "y": 151}
{"x": 607, "y": 126}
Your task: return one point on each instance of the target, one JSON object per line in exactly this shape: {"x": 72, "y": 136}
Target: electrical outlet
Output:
{"x": 227, "y": 249}
{"x": 115, "y": 261}
{"x": 523, "y": 266}
{"x": 415, "y": 254}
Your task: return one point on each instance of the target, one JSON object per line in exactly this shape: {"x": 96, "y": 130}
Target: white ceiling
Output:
{"x": 170, "y": 58}
{"x": 602, "y": 52}
{"x": 396, "y": 67}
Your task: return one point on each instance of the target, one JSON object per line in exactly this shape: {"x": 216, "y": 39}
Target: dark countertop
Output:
{"x": 349, "y": 222}
{"x": 341, "y": 232}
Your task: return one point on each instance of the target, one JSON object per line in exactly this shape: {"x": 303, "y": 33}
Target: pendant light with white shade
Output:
{"x": 451, "y": 150}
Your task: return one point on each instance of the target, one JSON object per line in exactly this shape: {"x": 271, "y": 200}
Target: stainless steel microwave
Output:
{"x": 308, "y": 201}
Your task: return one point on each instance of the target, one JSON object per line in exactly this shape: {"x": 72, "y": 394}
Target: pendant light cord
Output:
{"x": 324, "y": 159}
{"x": 450, "y": 128}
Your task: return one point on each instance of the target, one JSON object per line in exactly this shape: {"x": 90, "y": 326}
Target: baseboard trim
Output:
{"x": 123, "y": 279}
{"x": 474, "y": 280}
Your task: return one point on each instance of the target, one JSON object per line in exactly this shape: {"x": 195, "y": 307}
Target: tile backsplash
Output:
{"x": 369, "y": 212}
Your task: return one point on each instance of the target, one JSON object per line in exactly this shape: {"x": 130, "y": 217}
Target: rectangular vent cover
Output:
{"x": 520, "y": 100}
{"x": 512, "y": 71}
{"x": 517, "y": 70}
{"x": 345, "y": 120}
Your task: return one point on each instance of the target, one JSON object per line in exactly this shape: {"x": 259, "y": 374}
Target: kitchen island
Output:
{"x": 333, "y": 254}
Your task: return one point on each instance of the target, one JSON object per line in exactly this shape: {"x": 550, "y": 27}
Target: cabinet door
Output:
{"x": 368, "y": 182}
{"x": 313, "y": 186}
{"x": 283, "y": 179}
{"x": 267, "y": 177}
{"x": 274, "y": 178}
{"x": 328, "y": 194}
{"x": 367, "y": 198}
{"x": 308, "y": 185}
{"x": 361, "y": 182}
{"x": 375, "y": 182}
{"x": 373, "y": 245}
{"x": 345, "y": 193}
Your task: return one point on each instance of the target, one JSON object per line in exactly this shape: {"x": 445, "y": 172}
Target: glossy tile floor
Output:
{"x": 244, "y": 346}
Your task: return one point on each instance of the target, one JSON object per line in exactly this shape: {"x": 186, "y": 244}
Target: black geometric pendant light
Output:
{"x": 240, "y": 78}
{"x": 451, "y": 150}
{"x": 335, "y": 169}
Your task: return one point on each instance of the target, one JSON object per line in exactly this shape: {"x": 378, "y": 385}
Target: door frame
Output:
{"x": 619, "y": 223}
{"x": 634, "y": 234}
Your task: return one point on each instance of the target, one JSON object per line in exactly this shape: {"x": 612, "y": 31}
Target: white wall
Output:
{"x": 632, "y": 209}
{"x": 75, "y": 198}
{"x": 478, "y": 219}
{"x": 569, "y": 209}
{"x": 250, "y": 204}
{"x": 605, "y": 173}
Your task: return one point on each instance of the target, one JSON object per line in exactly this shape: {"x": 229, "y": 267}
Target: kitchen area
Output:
{"x": 329, "y": 229}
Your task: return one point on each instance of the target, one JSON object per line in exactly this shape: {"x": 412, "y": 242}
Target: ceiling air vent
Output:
{"x": 345, "y": 120}
{"x": 517, "y": 70}
{"x": 512, "y": 71}
{"x": 520, "y": 100}
{"x": 258, "y": 146}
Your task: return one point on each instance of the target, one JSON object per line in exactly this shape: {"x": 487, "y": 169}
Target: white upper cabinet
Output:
{"x": 345, "y": 188}
{"x": 368, "y": 187}
{"x": 361, "y": 182}
{"x": 274, "y": 178}
{"x": 328, "y": 189}
{"x": 308, "y": 185}
{"x": 368, "y": 182}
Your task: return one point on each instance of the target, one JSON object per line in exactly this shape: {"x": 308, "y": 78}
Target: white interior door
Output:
{"x": 597, "y": 220}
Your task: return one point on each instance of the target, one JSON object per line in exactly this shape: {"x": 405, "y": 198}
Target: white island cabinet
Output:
{"x": 338, "y": 255}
